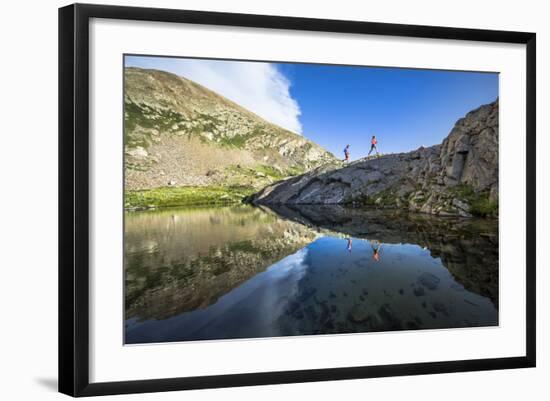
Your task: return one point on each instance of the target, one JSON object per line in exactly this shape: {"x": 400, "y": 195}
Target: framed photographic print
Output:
{"x": 250, "y": 199}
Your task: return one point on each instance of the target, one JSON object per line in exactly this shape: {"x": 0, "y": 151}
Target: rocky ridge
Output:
{"x": 456, "y": 178}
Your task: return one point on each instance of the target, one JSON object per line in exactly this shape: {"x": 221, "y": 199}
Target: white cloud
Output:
{"x": 259, "y": 87}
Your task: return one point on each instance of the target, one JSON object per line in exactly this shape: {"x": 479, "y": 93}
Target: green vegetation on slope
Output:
{"x": 240, "y": 140}
{"x": 257, "y": 176}
{"x": 149, "y": 118}
{"x": 185, "y": 196}
{"x": 267, "y": 171}
{"x": 232, "y": 192}
{"x": 480, "y": 204}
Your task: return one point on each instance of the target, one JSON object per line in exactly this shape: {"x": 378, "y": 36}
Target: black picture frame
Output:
{"x": 74, "y": 198}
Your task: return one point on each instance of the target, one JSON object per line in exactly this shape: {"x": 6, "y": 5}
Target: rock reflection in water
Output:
{"x": 247, "y": 272}
{"x": 467, "y": 247}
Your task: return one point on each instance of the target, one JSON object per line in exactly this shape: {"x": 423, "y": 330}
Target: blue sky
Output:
{"x": 339, "y": 105}
{"x": 404, "y": 108}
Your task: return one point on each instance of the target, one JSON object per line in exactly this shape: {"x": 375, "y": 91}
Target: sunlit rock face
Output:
{"x": 458, "y": 177}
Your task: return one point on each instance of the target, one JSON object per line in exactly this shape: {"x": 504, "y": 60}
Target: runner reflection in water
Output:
{"x": 376, "y": 245}
{"x": 349, "y": 245}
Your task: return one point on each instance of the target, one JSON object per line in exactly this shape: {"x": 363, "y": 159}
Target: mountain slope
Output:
{"x": 458, "y": 177}
{"x": 180, "y": 133}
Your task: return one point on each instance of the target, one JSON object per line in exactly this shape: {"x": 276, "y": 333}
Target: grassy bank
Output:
{"x": 185, "y": 196}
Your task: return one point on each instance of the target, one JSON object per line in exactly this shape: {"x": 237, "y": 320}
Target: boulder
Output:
{"x": 138, "y": 152}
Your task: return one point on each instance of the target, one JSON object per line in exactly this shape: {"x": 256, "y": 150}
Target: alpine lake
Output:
{"x": 241, "y": 271}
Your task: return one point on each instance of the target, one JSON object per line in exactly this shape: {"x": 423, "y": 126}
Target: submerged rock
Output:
{"x": 358, "y": 314}
{"x": 428, "y": 280}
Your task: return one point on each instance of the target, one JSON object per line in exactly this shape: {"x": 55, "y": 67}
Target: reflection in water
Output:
{"x": 376, "y": 245}
{"x": 181, "y": 260}
{"x": 244, "y": 272}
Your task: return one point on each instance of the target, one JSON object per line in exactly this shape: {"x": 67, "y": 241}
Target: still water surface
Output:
{"x": 246, "y": 272}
